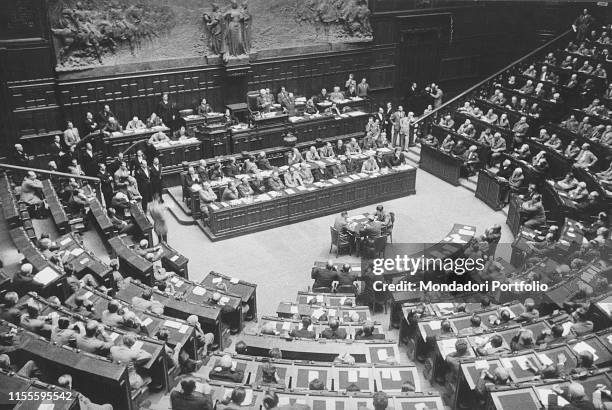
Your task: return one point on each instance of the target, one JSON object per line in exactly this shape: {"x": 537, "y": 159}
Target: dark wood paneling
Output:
{"x": 475, "y": 40}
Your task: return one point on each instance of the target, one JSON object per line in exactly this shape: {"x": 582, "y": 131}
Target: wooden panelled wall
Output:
{"x": 471, "y": 41}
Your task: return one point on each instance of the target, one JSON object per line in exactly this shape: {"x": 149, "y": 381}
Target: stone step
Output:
{"x": 176, "y": 207}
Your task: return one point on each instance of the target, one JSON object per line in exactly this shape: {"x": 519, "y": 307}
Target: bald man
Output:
{"x": 225, "y": 370}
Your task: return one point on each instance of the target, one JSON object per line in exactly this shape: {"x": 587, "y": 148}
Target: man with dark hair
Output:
{"x": 324, "y": 277}
{"x": 95, "y": 340}
{"x": 316, "y": 384}
{"x": 111, "y": 316}
{"x": 61, "y": 335}
{"x": 240, "y": 347}
{"x": 552, "y": 335}
{"x": 305, "y": 331}
{"x": 492, "y": 345}
{"x": 190, "y": 399}
{"x": 235, "y": 400}
{"x": 334, "y": 331}
{"x": 367, "y": 332}
{"x": 9, "y": 310}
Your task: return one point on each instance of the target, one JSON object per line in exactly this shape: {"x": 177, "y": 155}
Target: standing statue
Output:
{"x": 214, "y": 26}
{"x": 247, "y": 23}
{"x": 234, "y": 34}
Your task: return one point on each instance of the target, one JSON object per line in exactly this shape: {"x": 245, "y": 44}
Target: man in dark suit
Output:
{"x": 388, "y": 123}
{"x": 367, "y": 333}
{"x": 167, "y": 112}
{"x": 334, "y": 331}
{"x": 156, "y": 179}
{"x": 397, "y": 159}
{"x": 105, "y": 114}
{"x": 189, "y": 399}
{"x": 323, "y": 277}
{"x": 88, "y": 161}
{"x": 226, "y": 371}
{"x": 143, "y": 178}
{"x": 346, "y": 277}
{"x": 373, "y": 228}
{"x": 304, "y": 332}
{"x": 55, "y": 149}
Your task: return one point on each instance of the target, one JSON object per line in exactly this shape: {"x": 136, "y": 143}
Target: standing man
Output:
{"x": 166, "y": 110}
{"x": 156, "y": 179}
{"x": 363, "y": 88}
{"x": 582, "y": 25}
{"x": 143, "y": 178}
{"x": 436, "y": 94}
{"x": 410, "y": 100}
{"x": 388, "y": 114}
{"x": 71, "y": 135}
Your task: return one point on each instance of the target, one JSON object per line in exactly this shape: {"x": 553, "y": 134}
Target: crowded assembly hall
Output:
{"x": 170, "y": 168}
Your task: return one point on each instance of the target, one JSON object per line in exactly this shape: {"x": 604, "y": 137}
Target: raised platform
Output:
{"x": 295, "y": 205}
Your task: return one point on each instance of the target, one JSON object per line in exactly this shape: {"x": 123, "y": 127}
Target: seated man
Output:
{"x": 32, "y": 320}
{"x": 530, "y": 314}
{"x": 292, "y": 177}
{"x": 304, "y": 331}
{"x": 263, "y": 163}
{"x": 370, "y": 166}
{"x": 324, "y": 277}
{"x": 95, "y": 340}
{"x": 244, "y": 188}
{"x": 346, "y": 277}
{"x": 111, "y": 316}
{"x": 135, "y": 124}
{"x": 492, "y": 345}
{"x": 146, "y": 302}
{"x": 62, "y": 334}
{"x": 334, "y": 331}
{"x": 454, "y": 359}
{"x": 190, "y": 399}
{"x": 134, "y": 358}
{"x": 275, "y": 183}
{"x": 532, "y": 211}
{"x": 226, "y": 371}
{"x": 367, "y": 333}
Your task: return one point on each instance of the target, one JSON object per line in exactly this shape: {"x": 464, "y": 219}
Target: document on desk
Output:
{"x": 84, "y": 261}
{"x": 234, "y": 281}
{"x": 544, "y": 393}
{"x": 395, "y": 375}
{"x": 364, "y": 372}
{"x": 87, "y": 294}
{"x": 313, "y": 374}
{"x": 172, "y": 324}
{"x": 385, "y": 373}
{"x": 77, "y": 251}
{"x": 248, "y": 398}
{"x": 113, "y": 336}
{"x": 481, "y": 365}
{"x": 382, "y": 354}
{"x": 293, "y": 309}
{"x": 582, "y": 346}
{"x": 184, "y": 329}
{"x": 46, "y": 276}
{"x": 334, "y": 181}
{"x": 174, "y": 258}
{"x": 286, "y": 325}
{"x": 352, "y": 376}
{"x": 545, "y": 360}
{"x": 147, "y": 321}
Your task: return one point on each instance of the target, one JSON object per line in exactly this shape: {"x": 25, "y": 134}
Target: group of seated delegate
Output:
{"x": 362, "y": 236}
{"x": 286, "y": 100}
{"x": 255, "y": 175}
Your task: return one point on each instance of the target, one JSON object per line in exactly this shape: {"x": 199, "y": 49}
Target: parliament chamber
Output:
{"x": 326, "y": 205}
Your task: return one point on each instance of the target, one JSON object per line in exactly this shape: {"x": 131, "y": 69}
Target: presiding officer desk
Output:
{"x": 94, "y": 376}
{"x": 180, "y": 333}
{"x": 323, "y": 350}
{"x": 295, "y": 374}
{"x": 291, "y": 205}
{"x": 318, "y": 400}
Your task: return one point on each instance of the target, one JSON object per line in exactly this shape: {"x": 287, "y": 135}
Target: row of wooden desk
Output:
{"x": 322, "y": 350}
{"x": 94, "y": 376}
{"x": 180, "y": 333}
{"x": 297, "y": 375}
{"x": 322, "y": 400}
{"x": 312, "y": 202}
{"x": 286, "y": 325}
